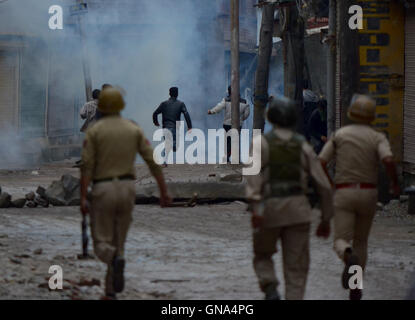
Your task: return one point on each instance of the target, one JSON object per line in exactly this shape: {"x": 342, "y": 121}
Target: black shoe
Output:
{"x": 350, "y": 260}
{"x": 271, "y": 293}
{"x": 109, "y": 296}
{"x": 273, "y": 296}
{"x": 118, "y": 265}
{"x": 355, "y": 294}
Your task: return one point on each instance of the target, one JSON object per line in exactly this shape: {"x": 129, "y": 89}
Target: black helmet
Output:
{"x": 282, "y": 112}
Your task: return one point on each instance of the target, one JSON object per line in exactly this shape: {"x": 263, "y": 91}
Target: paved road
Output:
{"x": 184, "y": 253}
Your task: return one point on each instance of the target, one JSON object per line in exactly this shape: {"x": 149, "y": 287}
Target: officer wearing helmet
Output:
{"x": 278, "y": 202}
{"x": 357, "y": 150}
{"x": 108, "y": 158}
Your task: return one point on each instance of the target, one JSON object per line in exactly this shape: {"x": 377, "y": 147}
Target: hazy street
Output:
{"x": 185, "y": 253}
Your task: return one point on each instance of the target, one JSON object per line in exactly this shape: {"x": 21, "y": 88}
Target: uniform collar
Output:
{"x": 283, "y": 133}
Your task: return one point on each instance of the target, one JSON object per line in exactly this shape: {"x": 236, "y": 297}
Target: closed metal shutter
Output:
{"x": 9, "y": 76}
{"x": 409, "y": 100}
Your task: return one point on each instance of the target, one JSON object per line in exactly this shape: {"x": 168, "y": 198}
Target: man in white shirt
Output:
{"x": 227, "y": 121}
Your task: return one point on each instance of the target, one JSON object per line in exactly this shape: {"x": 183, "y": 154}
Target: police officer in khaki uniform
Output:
{"x": 280, "y": 208}
{"x": 357, "y": 150}
{"x": 108, "y": 158}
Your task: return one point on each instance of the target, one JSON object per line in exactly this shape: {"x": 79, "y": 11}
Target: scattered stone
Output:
{"x": 64, "y": 192}
{"x": 38, "y": 251}
{"x": 5, "y": 200}
{"x": 35, "y": 173}
{"x": 15, "y": 261}
{"x": 30, "y": 196}
{"x": 23, "y": 256}
{"x": 31, "y": 204}
{"x": 44, "y": 286}
{"x": 69, "y": 183}
{"x": 18, "y": 203}
{"x": 42, "y": 201}
{"x": 55, "y": 194}
{"x": 41, "y": 191}
{"x": 89, "y": 283}
{"x": 237, "y": 177}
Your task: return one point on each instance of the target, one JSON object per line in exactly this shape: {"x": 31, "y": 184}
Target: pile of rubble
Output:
{"x": 65, "y": 192}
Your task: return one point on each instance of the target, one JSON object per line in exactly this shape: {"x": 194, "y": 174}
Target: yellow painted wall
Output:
{"x": 381, "y": 49}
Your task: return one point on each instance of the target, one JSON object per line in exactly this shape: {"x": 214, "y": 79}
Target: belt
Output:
{"x": 355, "y": 186}
{"x": 123, "y": 177}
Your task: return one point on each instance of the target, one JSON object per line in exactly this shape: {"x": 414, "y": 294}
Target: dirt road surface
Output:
{"x": 203, "y": 252}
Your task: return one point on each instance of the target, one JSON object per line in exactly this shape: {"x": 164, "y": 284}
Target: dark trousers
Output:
{"x": 229, "y": 143}
{"x": 173, "y": 132}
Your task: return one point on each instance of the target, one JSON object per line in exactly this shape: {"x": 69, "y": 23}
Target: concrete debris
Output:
{"x": 15, "y": 261}
{"x": 236, "y": 177}
{"x": 43, "y": 202}
{"x": 5, "y": 200}
{"x": 18, "y": 203}
{"x": 41, "y": 191}
{"x": 64, "y": 192}
{"x": 31, "y": 204}
{"x": 89, "y": 283}
{"x": 207, "y": 191}
{"x": 38, "y": 251}
{"x": 30, "y": 196}
{"x": 55, "y": 194}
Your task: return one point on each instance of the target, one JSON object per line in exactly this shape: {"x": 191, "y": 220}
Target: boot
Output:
{"x": 118, "y": 274}
{"x": 271, "y": 293}
{"x": 350, "y": 259}
{"x": 109, "y": 296}
{"x": 355, "y": 294}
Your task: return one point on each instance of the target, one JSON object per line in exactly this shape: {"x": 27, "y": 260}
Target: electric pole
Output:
{"x": 264, "y": 58}
{"x": 85, "y": 64}
{"x": 331, "y": 69}
{"x": 235, "y": 77}
{"x": 235, "y": 65}
{"x": 293, "y": 42}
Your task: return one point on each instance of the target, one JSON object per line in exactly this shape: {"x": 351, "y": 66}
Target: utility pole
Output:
{"x": 264, "y": 58}
{"x": 235, "y": 85}
{"x": 85, "y": 64}
{"x": 235, "y": 64}
{"x": 331, "y": 69}
{"x": 348, "y": 42}
{"x": 293, "y": 42}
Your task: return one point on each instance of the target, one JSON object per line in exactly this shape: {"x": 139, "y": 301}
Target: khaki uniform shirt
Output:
{"x": 279, "y": 212}
{"x": 110, "y": 149}
{"x": 357, "y": 149}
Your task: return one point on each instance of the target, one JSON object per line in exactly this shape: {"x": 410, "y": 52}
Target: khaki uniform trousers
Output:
{"x": 112, "y": 205}
{"x": 354, "y": 213}
{"x": 295, "y": 252}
